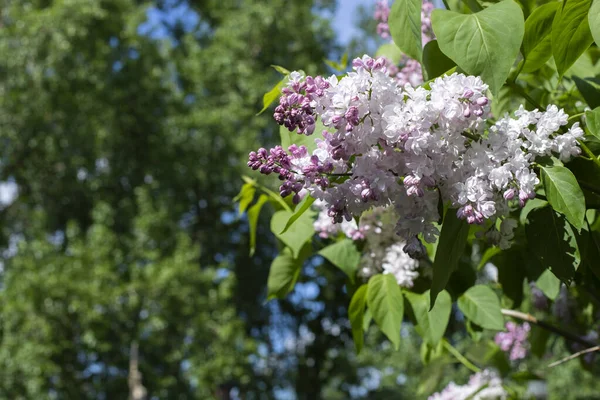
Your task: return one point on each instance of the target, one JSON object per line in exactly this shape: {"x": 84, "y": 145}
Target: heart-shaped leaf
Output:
{"x": 405, "y": 26}
{"x": 485, "y": 43}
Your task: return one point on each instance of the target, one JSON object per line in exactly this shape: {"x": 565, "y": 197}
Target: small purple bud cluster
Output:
{"x": 473, "y": 105}
{"x": 296, "y": 169}
{"x": 514, "y": 341}
{"x": 295, "y": 110}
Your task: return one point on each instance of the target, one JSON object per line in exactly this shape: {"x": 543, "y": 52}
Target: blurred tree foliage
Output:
{"x": 126, "y": 137}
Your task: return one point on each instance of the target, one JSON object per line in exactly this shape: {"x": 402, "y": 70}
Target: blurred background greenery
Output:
{"x": 124, "y": 128}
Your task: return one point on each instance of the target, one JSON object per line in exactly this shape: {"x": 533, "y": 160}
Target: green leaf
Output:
{"x": 432, "y": 324}
{"x": 511, "y": 274}
{"x": 589, "y": 89}
{"x": 564, "y": 194}
{"x": 288, "y": 138}
{"x": 571, "y": 34}
{"x": 253, "y": 214}
{"x": 284, "y": 272}
{"x": 435, "y": 62}
{"x": 245, "y": 197}
{"x": 549, "y": 284}
{"x": 481, "y": 305}
{"x": 594, "y": 21}
{"x": 592, "y": 120}
{"x": 344, "y": 255}
{"x": 451, "y": 246}
{"x": 385, "y": 301}
{"x": 367, "y": 320}
{"x": 272, "y": 94}
{"x": 281, "y": 70}
{"x": 356, "y": 313}
{"x": 300, "y": 210}
{"x": 537, "y": 42}
{"x": 391, "y": 52}
{"x": 550, "y": 239}
{"x": 298, "y": 234}
{"x": 485, "y": 43}
{"x": 405, "y": 26}
{"x": 487, "y": 256}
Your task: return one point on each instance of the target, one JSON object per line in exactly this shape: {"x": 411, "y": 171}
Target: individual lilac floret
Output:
{"x": 484, "y": 385}
{"x": 514, "y": 340}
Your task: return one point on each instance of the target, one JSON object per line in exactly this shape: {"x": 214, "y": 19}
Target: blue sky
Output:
{"x": 344, "y": 21}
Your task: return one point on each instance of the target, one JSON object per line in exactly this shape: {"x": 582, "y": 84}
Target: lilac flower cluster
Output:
{"x": 410, "y": 148}
{"x": 484, "y": 385}
{"x": 514, "y": 340}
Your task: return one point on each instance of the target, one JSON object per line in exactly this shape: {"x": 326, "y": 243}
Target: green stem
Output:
{"x": 471, "y": 136}
{"x": 522, "y": 92}
{"x": 588, "y": 152}
{"x": 446, "y": 4}
{"x": 463, "y": 360}
{"x": 575, "y": 116}
{"x": 519, "y": 69}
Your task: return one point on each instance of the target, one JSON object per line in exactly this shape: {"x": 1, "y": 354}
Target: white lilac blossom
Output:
{"x": 484, "y": 385}
{"x": 411, "y": 149}
{"x": 384, "y": 253}
{"x": 326, "y": 228}
{"x": 514, "y": 340}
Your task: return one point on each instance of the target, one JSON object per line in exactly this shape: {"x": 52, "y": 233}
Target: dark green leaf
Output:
{"x": 589, "y": 89}
{"x": 564, "y": 194}
{"x": 432, "y": 323}
{"x": 538, "y": 339}
{"x": 356, "y": 313}
{"x": 451, "y": 245}
{"x": 300, "y": 210}
{"x": 511, "y": 275}
{"x": 253, "y": 214}
{"x": 298, "y": 234}
{"x": 481, "y": 305}
{"x": 435, "y": 62}
{"x": 485, "y": 43}
{"x": 385, "y": 301}
{"x": 344, "y": 255}
{"x": 405, "y": 26}
{"x": 537, "y": 42}
{"x": 550, "y": 239}
{"x": 571, "y": 34}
